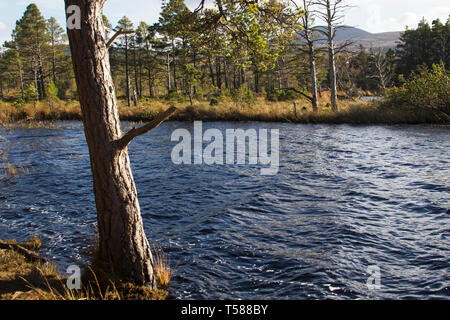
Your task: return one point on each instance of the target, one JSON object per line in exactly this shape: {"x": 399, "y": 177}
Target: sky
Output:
{"x": 371, "y": 15}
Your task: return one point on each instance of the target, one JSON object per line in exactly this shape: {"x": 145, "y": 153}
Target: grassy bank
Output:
{"x": 352, "y": 112}
{"x": 26, "y": 276}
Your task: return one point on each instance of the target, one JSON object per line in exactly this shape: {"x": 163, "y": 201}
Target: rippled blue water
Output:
{"x": 346, "y": 198}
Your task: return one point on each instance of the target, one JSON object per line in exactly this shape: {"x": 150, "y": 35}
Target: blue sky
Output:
{"x": 370, "y": 15}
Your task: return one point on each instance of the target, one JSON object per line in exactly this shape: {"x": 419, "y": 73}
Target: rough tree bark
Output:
{"x": 122, "y": 241}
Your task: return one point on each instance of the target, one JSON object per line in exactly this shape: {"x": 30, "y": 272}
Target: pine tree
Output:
{"x": 147, "y": 42}
{"x": 30, "y": 37}
{"x": 173, "y": 15}
{"x": 126, "y": 25}
{"x": 57, "y": 36}
{"x": 417, "y": 47}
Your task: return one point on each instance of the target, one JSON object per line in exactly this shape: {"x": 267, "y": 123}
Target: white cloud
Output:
{"x": 389, "y": 15}
{"x": 3, "y": 26}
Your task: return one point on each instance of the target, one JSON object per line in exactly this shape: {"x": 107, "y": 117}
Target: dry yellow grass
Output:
{"x": 21, "y": 279}
{"x": 61, "y": 110}
{"x": 351, "y": 112}
{"x": 162, "y": 268}
{"x": 229, "y": 110}
{"x": 9, "y": 170}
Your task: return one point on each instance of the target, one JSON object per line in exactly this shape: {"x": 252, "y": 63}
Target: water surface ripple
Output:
{"x": 346, "y": 198}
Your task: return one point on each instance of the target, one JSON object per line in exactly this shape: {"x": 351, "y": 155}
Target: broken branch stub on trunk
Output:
{"x": 135, "y": 132}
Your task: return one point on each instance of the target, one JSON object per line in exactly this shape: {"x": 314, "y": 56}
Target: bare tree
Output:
{"x": 308, "y": 35}
{"x": 332, "y": 13}
{"x": 383, "y": 69}
{"x": 122, "y": 241}
{"x": 348, "y": 74}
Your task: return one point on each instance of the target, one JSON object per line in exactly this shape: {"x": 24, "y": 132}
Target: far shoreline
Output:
{"x": 352, "y": 112}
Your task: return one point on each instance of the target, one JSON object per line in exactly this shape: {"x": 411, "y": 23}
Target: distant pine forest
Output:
{"x": 269, "y": 64}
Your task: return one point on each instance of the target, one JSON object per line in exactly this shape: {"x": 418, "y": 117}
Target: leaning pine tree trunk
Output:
{"x": 122, "y": 241}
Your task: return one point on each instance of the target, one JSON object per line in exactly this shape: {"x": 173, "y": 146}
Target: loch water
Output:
{"x": 346, "y": 198}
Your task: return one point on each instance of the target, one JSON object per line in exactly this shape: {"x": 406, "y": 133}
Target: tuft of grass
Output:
{"x": 99, "y": 284}
{"x": 9, "y": 170}
{"x": 162, "y": 268}
{"x": 100, "y": 275}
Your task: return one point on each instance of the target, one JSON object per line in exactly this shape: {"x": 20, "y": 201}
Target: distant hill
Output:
{"x": 383, "y": 41}
{"x": 346, "y": 33}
